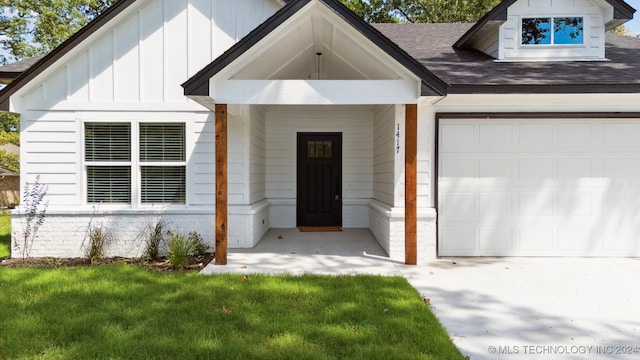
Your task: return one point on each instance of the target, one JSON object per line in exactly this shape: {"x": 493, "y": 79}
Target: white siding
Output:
{"x": 146, "y": 53}
{"x": 237, "y": 130}
{"x": 384, "y": 151}
{"x": 201, "y": 164}
{"x": 257, "y": 157}
{"x": 282, "y": 125}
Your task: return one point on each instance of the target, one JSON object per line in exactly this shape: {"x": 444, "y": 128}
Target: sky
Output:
{"x": 633, "y": 26}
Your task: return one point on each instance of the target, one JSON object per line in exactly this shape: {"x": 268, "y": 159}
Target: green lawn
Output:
{"x": 5, "y": 234}
{"x": 124, "y": 312}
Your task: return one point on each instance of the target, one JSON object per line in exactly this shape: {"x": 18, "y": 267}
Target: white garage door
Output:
{"x": 530, "y": 187}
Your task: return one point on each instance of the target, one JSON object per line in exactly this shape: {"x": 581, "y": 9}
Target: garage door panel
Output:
{"x": 616, "y": 135}
{"x": 457, "y": 137}
{"x": 496, "y": 238}
{"x": 576, "y": 204}
{"x": 621, "y": 238}
{"x": 575, "y": 169}
{"x": 562, "y": 187}
{"x": 496, "y": 204}
{"x": 495, "y": 169}
{"x": 536, "y": 136}
{"x": 577, "y": 238}
{"x": 495, "y": 136}
{"x": 537, "y": 204}
{"x": 457, "y": 237}
{"x": 456, "y": 169}
{"x": 458, "y": 206}
{"x": 536, "y": 238}
{"x": 536, "y": 171}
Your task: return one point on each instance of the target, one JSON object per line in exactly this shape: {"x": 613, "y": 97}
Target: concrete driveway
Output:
{"x": 493, "y": 308}
{"x": 536, "y": 308}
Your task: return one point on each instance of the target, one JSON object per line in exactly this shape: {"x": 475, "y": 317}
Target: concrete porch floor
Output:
{"x": 347, "y": 252}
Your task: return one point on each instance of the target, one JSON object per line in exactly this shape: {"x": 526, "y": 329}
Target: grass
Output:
{"x": 5, "y": 234}
{"x": 124, "y": 312}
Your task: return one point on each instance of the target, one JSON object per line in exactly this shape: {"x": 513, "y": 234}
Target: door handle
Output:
{"x": 337, "y": 197}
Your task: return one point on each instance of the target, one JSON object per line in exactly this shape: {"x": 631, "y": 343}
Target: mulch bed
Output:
{"x": 194, "y": 264}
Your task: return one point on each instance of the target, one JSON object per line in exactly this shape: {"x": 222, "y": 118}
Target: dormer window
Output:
{"x": 552, "y": 31}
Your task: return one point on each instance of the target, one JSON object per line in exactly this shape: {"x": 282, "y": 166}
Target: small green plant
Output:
{"x": 179, "y": 249}
{"x": 153, "y": 236}
{"x": 199, "y": 246}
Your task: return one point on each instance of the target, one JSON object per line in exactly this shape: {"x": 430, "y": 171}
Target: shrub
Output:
{"x": 199, "y": 247}
{"x": 179, "y": 249}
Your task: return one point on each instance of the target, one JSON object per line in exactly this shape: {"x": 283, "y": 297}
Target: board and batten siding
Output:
{"x": 145, "y": 56}
{"x": 282, "y": 125}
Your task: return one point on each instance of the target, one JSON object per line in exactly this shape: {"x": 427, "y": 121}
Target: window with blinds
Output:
{"x": 162, "y": 159}
{"x": 108, "y": 158}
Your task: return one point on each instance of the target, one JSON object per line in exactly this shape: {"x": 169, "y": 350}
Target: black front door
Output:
{"x": 319, "y": 179}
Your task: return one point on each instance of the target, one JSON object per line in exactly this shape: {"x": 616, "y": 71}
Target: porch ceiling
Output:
{"x": 316, "y": 48}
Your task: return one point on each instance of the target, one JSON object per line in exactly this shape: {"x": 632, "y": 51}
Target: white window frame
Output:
{"x": 552, "y": 32}
{"x": 135, "y": 164}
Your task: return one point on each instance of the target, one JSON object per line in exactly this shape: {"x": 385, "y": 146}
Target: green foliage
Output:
{"x": 199, "y": 246}
{"x": 5, "y": 234}
{"x": 9, "y": 134}
{"x": 124, "y": 312}
{"x": 10, "y": 123}
{"x": 35, "y": 27}
{"x": 10, "y": 138}
{"x": 179, "y": 250}
{"x": 420, "y": 11}
{"x": 372, "y": 11}
{"x": 9, "y": 161}
{"x": 181, "y": 247}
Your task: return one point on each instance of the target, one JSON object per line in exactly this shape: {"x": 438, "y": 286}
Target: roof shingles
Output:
{"x": 432, "y": 45}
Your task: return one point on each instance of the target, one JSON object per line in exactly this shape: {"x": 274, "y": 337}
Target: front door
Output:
{"x": 319, "y": 179}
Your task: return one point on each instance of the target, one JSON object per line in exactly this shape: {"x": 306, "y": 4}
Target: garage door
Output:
{"x": 530, "y": 187}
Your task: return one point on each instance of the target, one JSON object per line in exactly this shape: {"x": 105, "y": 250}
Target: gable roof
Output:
{"x": 471, "y": 71}
{"x": 622, "y": 12}
{"x": 198, "y": 85}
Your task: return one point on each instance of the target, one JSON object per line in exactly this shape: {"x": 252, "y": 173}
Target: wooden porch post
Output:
{"x": 411, "y": 185}
{"x": 221, "y": 184}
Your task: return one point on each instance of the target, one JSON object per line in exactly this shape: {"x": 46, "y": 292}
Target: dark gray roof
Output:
{"x": 11, "y": 71}
{"x": 468, "y": 70}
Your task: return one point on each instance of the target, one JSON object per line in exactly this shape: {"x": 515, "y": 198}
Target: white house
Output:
{"x": 515, "y": 136}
